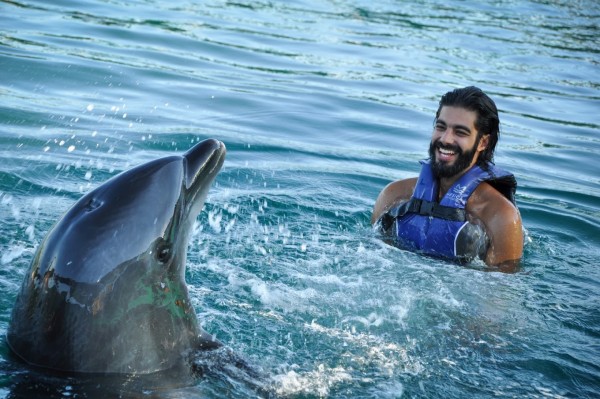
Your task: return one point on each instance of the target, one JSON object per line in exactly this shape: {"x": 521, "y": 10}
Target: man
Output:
{"x": 461, "y": 206}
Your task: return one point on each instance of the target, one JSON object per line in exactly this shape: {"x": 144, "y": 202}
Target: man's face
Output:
{"x": 455, "y": 143}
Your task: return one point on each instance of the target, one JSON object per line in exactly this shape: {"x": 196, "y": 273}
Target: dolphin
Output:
{"x": 106, "y": 291}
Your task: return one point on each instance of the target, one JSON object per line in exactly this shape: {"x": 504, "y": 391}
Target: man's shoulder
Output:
{"x": 392, "y": 194}
{"x": 487, "y": 201}
{"x": 402, "y": 188}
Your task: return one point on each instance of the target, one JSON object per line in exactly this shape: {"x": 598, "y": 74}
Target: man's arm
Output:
{"x": 503, "y": 226}
{"x": 392, "y": 194}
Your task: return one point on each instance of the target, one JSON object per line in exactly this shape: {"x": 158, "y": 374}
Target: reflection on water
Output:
{"x": 320, "y": 105}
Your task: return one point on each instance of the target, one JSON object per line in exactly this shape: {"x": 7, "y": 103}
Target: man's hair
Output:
{"x": 474, "y": 99}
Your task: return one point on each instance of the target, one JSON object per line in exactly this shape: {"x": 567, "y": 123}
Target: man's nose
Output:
{"x": 447, "y": 135}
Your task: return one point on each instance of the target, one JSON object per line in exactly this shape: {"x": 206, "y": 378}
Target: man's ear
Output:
{"x": 483, "y": 143}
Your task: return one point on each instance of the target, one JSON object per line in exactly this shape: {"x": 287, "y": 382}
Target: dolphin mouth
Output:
{"x": 203, "y": 162}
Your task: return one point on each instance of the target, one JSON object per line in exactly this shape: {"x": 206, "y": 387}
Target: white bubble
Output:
{"x": 12, "y": 254}
{"x": 30, "y": 231}
{"x": 90, "y": 107}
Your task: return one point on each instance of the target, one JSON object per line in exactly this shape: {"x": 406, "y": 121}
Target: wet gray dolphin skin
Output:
{"x": 106, "y": 290}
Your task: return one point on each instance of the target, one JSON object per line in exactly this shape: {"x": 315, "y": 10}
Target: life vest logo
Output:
{"x": 457, "y": 194}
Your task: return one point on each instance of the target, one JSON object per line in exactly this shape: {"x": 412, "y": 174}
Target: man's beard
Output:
{"x": 463, "y": 160}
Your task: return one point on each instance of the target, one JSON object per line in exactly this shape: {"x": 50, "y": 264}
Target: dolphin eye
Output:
{"x": 163, "y": 252}
{"x": 92, "y": 204}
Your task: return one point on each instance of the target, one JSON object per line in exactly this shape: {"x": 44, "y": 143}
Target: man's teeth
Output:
{"x": 446, "y": 152}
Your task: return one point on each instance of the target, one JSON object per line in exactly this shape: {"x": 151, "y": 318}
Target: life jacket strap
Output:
{"x": 429, "y": 208}
{"x": 424, "y": 208}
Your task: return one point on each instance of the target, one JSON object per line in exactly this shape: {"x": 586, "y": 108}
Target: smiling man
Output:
{"x": 461, "y": 206}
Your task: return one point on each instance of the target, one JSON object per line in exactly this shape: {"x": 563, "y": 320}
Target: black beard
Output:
{"x": 463, "y": 161}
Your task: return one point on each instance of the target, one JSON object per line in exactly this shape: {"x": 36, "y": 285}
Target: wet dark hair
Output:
{"x": 474, "y": 99}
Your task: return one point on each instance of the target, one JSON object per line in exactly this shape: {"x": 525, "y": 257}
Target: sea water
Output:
{"x": 320, "y": 104}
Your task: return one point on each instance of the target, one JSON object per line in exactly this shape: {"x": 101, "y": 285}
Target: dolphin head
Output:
{"x": 145, "y": 212}
{"x": 106, "y": 289}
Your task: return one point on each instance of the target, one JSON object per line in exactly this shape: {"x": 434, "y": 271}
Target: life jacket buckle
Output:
{"x": 426, "y": 208}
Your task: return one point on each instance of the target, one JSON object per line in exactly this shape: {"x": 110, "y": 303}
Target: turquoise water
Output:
{"x": 320, "y": 104}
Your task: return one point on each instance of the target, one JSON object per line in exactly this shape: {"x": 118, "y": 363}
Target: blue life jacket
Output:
{"x": 441, "y": 228}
